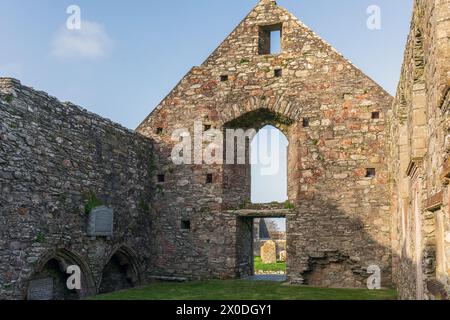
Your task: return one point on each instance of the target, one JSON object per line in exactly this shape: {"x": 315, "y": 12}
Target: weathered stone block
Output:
{"x": 269, "y": 252}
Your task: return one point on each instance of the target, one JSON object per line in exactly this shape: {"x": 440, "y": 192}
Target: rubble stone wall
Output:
{"x": 52, "y": 156}
{"x": 335, "y": 120}
{"x": 419, "y": 157}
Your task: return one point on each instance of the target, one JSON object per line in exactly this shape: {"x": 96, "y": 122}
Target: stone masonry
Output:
{"x": 367, "y": 174}
{"x": 335, "y": 120}
{"x": 419, "y": 142}
{"x": 52, "y": 155}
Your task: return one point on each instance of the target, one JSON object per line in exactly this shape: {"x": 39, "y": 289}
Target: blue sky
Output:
{"x": 137, "y": 51}
{"x": 152, "y": 44}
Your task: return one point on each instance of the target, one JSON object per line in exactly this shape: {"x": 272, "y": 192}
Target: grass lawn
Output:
{"x": 273, "y": 267}
{"x": 242, "y": 290}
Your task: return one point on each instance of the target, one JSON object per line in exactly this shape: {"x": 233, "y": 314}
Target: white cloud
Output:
{"x": 91, "y": 42}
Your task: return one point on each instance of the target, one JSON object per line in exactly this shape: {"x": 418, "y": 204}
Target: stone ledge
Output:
{"x": 434, "y": 202}
{"x": 168, "y": 279}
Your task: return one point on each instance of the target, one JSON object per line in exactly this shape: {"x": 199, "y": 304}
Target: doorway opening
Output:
{"x": 269, "y": 248}
{"x": 121, "y": 272}
{"x": 269, "y": 149}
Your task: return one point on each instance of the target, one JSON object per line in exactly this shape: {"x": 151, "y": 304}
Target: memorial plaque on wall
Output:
{"x": 41, "y": 289}
{"x": 101, "y": 222}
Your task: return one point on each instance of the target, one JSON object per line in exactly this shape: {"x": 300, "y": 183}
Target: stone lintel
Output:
{"x": 262, "y": 213}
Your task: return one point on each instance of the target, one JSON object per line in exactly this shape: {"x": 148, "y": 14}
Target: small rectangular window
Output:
{"x": 209, "y": 178}
{"x": 305, "y": 122}
{"x": 375, "y": 115}
{"x": 371, "y": 173}
{"x": 223, "y": 78}
{"x": 207, "y": 127}
{"x": 185, "y": 224}
{"x": 270, "y": 38}
{"x": 278, "y": 73}
{"x": 159, "y": 131}
{"x": 161, "y": 178}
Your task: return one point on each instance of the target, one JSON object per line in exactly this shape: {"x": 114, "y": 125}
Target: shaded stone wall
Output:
{"x": 339, "y": 210}
{"x": 419, "y": 157}
{"x": 51, "y": 155}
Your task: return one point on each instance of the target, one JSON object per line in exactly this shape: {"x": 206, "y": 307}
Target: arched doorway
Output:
{"x": 268, "y": 152}
{"x": 269, "y": 166}
{"x": 49, "y": 282}
{"x": 260, "y": 187}
{"x": 121, "y": 272}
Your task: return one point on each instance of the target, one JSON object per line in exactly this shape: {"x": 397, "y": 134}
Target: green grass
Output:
{"x": 272, "y": 267}
{"x": 242, "y": 290}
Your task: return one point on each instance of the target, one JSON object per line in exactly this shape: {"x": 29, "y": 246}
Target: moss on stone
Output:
{"x": 289, "y": 205}
{"x": 9, "y": 98}
{"x": 143, "y": 205}
{"x": 40, "y": 237}
{"x": 91, "y": 201}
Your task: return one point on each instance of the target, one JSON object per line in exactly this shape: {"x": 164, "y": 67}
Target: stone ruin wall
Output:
{"x": 419, "y": 157}
{"x": 51, "y": 155}
{"x": 341, "y": 221}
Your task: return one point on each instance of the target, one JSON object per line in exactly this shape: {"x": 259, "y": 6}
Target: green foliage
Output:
{"x": 40, "y": 237}
{"x": 143, "y": 205}
{"x": 269, "y": 267}
{"x": 9, "y": 98}
{"x": 91, "y": 201}
{"x": 160, "y": 190}
{"x": 244, "y": 61}
{"x": 289, "y": 205}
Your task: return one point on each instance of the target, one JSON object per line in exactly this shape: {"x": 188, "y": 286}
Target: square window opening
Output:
{"x": 270, "y": 38}
{"x": 278, "y": 73}
{"x": 185, "y": 224}
{"x": 159, "y": 131}
{"x": 375, "y": 115}
{"x": 223, "y": 78}
{"x": 371, "y": 173}
{"x": 161, "y": 178}
{"x": 305, "y": 122}
{"x": 209, "y": 178}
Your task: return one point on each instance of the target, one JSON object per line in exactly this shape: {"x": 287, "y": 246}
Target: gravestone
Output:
{"x": 283, "y": 256}
{"x": 269, "y": 252}
{"x": 101, "y": 222}
{"x": 41, "y": 289}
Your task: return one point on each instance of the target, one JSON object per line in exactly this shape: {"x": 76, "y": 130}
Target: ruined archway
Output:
{"x": 239, "y": 134}
{"x": 121, "y": 272}
{"x": 334, "y": 118}
{"x": 269, "y": 166}
{"x": 239, "y": 180}
{"x": 49, "y": 282}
